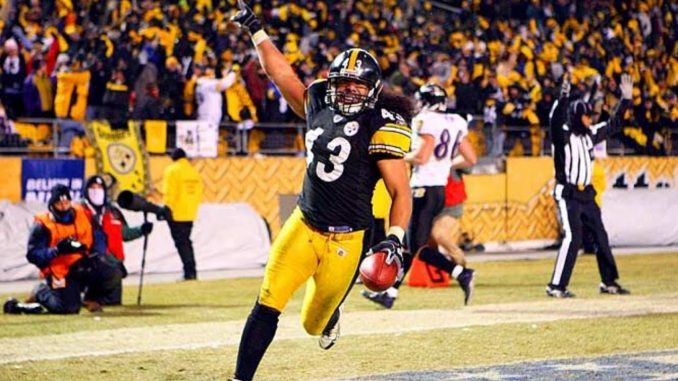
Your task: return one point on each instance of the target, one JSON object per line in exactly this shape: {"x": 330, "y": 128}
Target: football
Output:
{"x": 376, "y": 274}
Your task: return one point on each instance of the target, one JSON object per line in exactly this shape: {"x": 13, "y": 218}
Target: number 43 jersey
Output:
{"x": 447, "y": 131}
{"x": 341, "y": 161}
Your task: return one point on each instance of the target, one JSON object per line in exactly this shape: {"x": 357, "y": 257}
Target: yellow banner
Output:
{"x": 119, "y": 152}
{"x": 156, "y": 136}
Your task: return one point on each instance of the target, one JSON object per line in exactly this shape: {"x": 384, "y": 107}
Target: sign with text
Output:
{"x": 197, "y": 138}
{"x": 38, "y": 176}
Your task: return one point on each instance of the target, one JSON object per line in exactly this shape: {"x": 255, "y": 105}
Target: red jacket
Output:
{"x": 112, "y": 226}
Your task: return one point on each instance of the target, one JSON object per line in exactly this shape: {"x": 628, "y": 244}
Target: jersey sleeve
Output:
{"x": 393, "y": 139}
{"x": 423, "y": 126}
{"x": 315, "y": 97}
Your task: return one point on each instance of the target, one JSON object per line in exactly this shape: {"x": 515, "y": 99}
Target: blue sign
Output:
{"x": 38, "y": 176}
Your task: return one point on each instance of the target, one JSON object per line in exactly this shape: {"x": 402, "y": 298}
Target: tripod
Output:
{"x": 143, "y": 263}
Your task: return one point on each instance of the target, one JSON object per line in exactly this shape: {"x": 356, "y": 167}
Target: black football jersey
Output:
{"x": 342, "y": 153}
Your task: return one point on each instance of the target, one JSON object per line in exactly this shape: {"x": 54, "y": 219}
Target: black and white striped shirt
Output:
{"x": 573, "y": 152}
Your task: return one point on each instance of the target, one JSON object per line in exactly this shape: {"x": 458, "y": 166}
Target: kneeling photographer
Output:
{"x": 59, "y": 244}
{"x": 110, "y": 230}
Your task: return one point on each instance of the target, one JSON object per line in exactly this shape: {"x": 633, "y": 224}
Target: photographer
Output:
{"x": 110, "y": 230}
{"x": 58, "y": 243}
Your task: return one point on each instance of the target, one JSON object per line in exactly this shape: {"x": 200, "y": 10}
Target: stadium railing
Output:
{"x": 55, "y": 136}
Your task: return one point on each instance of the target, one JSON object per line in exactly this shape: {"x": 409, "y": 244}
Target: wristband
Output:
{"x": 259, "y": 37}
{"x": 396, "y": 231}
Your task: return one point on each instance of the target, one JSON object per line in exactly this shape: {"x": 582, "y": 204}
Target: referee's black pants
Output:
{"x": 578, "y": 212}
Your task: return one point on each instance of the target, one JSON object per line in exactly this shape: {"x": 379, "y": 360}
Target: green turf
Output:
{"x": 437, "y": 349}
{"x": 498, "y": 282}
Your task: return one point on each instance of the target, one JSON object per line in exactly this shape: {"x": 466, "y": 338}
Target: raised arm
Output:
{"x": 602, "y": 130}
{"x": 558, "y": 115}
{"x": 273, "y": 62}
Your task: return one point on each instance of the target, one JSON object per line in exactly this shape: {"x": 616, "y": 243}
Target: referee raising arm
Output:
{"x": 574, "y": 136}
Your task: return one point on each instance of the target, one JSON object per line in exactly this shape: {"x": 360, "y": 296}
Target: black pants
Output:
{"x": 62, "y": 296}
{"x": 427, "y": 203}
{"x": 181, "y": 234}
{"x": 577, "y": 214}
{"x": 104, "y": 280}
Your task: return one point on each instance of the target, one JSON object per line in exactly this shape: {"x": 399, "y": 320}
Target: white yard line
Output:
{"x": 227, "y": 333}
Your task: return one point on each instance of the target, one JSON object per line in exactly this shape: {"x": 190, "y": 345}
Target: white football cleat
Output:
{"x": 331, "y": 334}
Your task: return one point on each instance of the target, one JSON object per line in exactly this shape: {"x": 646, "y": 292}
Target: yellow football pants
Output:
{"x": 328, "y": 262}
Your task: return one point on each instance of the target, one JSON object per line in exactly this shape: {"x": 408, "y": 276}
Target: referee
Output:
{"x": 574, "y": 136}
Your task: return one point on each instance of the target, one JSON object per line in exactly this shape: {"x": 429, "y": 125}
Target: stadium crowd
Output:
{"x": 500, "y": 60}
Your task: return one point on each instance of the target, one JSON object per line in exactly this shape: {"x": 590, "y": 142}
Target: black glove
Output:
{"x": 393, "y": 249}
{"x": 69, "y": 246}
{"x": 146, "y": 228}
{"x": 246, "y": 18}
{"x": 165, "y": 214}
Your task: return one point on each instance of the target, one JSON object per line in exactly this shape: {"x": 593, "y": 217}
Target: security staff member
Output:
{"x": 182, "y": 192}
{"x": 574, "y": 137}
{"x": 59, "y": 241}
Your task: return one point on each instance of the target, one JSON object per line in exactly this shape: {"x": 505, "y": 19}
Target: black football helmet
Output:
{"x": 356, "y": 65}
{"x": 431, "y": 97}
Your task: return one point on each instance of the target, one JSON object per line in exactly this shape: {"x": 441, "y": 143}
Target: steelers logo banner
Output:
{"x": 119, "y": 152}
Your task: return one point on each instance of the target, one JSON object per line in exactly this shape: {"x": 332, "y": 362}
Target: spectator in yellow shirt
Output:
{"x": 182, "y": 192}
{"x": 80, "y": 146}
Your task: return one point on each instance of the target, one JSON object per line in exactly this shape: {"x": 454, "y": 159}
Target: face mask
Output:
{"x": 96, "y": 196}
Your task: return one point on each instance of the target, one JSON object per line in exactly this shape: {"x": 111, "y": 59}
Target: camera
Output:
{"x": 132, "y": 201}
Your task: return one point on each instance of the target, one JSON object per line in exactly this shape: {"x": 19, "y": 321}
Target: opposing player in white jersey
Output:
{"x": 440, "y": 145}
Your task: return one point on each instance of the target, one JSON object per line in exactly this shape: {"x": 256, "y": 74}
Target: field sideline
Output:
{"x": 190, "y": 331}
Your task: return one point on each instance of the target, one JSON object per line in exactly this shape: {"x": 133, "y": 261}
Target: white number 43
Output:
{"x": 337, "y": 160}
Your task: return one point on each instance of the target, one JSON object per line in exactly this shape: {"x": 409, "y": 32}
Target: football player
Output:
{"x": 356, "y": 135}
{"x": 442, "y": 145}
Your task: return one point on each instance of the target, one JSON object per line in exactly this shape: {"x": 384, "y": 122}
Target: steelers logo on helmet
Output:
{"x": 431, "y": 97}
{"x": 353, "y": 66}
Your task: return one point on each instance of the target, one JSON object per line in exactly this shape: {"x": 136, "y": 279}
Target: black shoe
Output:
{"x": 613, "y": 288}
{"x": 381, "y": 298}
{"x": 466, "y": 281}
{"x": 556, "y": 292}
{"x": 187, "y": 278}
{"x": 12, "y": 306}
